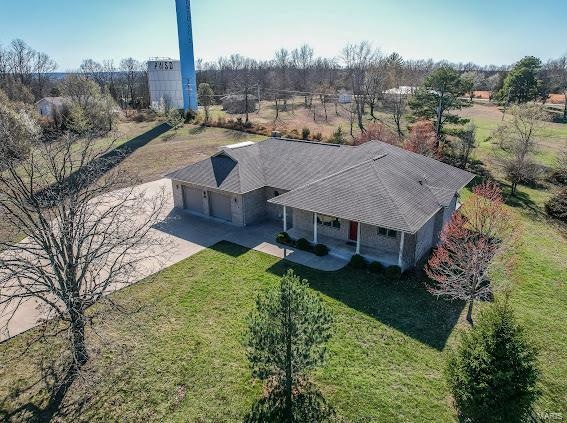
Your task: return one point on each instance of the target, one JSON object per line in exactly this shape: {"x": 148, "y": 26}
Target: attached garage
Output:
{"x": 220, "y": 206}
{"x": 192, "y": 199}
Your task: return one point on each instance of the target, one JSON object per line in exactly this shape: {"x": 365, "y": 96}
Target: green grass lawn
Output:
{"x": 552, "y": 137}
{"x": 176, "y": 354}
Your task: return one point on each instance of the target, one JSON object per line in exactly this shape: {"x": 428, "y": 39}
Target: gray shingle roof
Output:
{"x": 375, "y": 183}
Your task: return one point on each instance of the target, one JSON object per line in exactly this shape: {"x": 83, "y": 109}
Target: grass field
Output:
{"x": 486, "y": 116}
{"x": 551, "y": 140}
{"x": 175, "y": 148}
{"x": 176, "y": 354}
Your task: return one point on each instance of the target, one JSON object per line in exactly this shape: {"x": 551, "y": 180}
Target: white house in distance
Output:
{"x": 345, "y": 97}
{"x": 403, "y": 90}
{"x": 49, "y": 106}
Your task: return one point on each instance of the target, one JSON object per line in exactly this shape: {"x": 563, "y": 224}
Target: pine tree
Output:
{"x": 493, "y": 373}
{"x": 287, "y": 339}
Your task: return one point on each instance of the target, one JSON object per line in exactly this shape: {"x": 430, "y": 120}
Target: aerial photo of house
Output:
{"x": 270, "y": 211}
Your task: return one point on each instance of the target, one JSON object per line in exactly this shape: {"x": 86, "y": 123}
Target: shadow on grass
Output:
{"x": 98, "y": 167}
{"x": 57, "y": 385}
{"x": 308, "y": 406}
{"x": 197, "y": 130}
{"x": 404, "y": 305}
{"x": 521, "y": 200}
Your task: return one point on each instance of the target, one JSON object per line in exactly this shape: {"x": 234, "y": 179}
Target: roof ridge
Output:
{"x": 392, "y": 198}
{"x": 346, "y": 169}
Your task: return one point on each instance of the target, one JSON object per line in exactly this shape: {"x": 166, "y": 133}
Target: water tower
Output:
{"x": 186, "y": 55}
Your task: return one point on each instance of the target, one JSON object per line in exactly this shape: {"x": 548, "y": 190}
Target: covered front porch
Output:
{"x": 349, "y": 238}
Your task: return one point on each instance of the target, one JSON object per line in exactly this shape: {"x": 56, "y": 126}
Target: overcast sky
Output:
{"x": 481, "y": 31}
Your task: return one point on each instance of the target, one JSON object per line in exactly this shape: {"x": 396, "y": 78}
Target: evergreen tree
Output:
{"x": 287, "y": 339}
{"x": 442, "y": 92}
{"x": 493, "y": 373}
{"x": 522, "y": 84}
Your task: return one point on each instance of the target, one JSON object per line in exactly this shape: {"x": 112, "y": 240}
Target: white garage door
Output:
{"x": 220, "y": 206}
{"x": 192, "y": 199}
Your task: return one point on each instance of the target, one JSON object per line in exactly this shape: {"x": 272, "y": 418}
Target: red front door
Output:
{"x": 353, "y": 231}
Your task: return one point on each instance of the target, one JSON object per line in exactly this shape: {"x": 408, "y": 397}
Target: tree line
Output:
{"x": 27, "y": 75}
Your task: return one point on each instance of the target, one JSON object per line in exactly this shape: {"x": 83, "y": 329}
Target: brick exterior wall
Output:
{"x": 254, "y": 206}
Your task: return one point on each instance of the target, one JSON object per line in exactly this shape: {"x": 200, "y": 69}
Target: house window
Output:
{"x": 330, "y": 221}
{"x": 386, "y": 232}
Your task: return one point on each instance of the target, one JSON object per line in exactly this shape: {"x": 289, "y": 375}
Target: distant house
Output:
{"x": 401, "y": 90}
{"x": 378, "y": 200}
{"x": 50, "y": 106}
{"x": 236, "y": 103}
{"x": 345, "y": 97}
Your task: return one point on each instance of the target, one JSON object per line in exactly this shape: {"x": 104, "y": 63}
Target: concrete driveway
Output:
{"x": 187, "y": 234}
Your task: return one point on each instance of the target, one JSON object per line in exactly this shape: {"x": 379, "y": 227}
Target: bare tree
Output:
{"x": 459, "y": 266}
{"x": 518, "y": 140}
{"x": 302, "y": 59}
{"x": 94, "y": 70}
{"x": 22, "y": 57}
{"x": 43, "y": 66}
{"x": 82, "y": 240}
{"x": 558, "y": 71}
{"x": 130, "y": 67}
{"x": 358, "y": 58}
{"x": 466, "y": 142}
{"x": 245, "y": 79}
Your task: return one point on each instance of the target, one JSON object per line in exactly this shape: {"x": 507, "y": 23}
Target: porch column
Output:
{"x": 284, "y": 218}
{"x": 358, "y": 238}
{"x": 315, "y": 228}
{"x": 401, "y": 253}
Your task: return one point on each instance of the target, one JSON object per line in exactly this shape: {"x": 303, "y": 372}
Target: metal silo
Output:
{"x": 188, "y": 77}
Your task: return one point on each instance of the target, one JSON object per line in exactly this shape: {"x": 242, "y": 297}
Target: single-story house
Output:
{"x": 375, "y": 199}
{"x": 345, "y": 97}
{"x": 50, "y": 106}
{"x": 403, "y": 90}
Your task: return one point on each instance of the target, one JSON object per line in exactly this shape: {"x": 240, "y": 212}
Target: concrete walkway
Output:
{"x": 187, "y": 234}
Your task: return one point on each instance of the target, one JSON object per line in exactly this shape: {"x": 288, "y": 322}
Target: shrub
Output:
{"x": 303, "y": 244}
{"x": 305, "y": 133}
{"x": 492, "y": 373}
{"x": 283, "y": 238}
{"x": 139, "y": 117}
{"x": 248, "y": 125}
{"x": 318, "y": 136}
{"x": 375, "y": 267}
{"x": 357, "y": 261}
{"x": 293, "y": 134}
{"x": 338, "y": 136}
{"x": 376, "y": 131}
{"x": 190, "y": 116}
{"x": 556, "y": 206}
{"x": 393, "y": 272}
{"x": 321, "y": 249}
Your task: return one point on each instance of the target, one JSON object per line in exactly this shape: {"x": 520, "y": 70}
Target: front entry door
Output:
{"x": 353, "y": 231}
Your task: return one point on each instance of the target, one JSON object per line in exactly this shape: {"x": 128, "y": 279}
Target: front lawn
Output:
{"x": 177, "y": 355}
